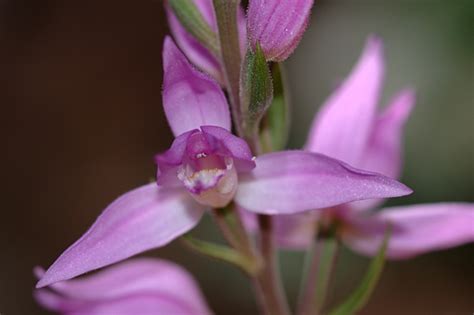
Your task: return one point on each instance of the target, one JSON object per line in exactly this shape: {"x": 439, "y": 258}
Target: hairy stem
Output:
{"x": 226, "y": 14}
{"x": 270, "y": 294}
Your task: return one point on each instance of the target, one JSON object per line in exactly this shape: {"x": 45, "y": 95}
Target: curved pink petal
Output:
{"x": 197, "y": 53}
{"x": 190, "y": 98}
{"x": 237, "y": 147}
{"x": 343, "y": 126}
{"x": 138, "y": 286}
{"x": 151, "y": 304}
{"x": 277, "y": 25}
{"x": 169, "y": 161}
{"x": 416, "y": 229}
{"x": 384, "y": 151}
{"x": 139, "y": 220}
{"x": 294, "y": 181}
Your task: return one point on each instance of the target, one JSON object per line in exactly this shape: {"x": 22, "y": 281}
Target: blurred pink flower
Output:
{"x": 349, "y": 128}
{"x": 144, "y": 286}
{"x": 208, "y": 167}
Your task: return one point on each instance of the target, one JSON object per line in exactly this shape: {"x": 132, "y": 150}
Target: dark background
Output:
{"x": 82, "y": 118}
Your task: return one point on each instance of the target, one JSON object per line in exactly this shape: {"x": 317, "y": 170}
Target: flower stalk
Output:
{"x": 248, "y": 264}
{"x": 268, "y": 284}
{"x": 226, "y": 15}
{"x": 321, "y": 259}
{"x": 264, "y": 267}
{"x": 232, "y": 228}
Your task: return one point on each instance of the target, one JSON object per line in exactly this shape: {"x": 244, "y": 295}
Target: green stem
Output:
{"x": 330, "y": 255}
{"x": 222, "y": 221}
{"x": 226, "y": 15}
{"x": 320, "y": 263}
{"x": 310, "y": 276}
{"x": 230, "y": 223}
{"x": 267, "y": 283}
{"x": 222, "y": 253}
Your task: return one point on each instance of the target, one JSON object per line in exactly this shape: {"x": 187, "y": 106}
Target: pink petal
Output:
{"x": 139, "y": 220}
{"x": 294, "y": 181}
{"x": 384, "y": 150}
{"x": 169, "y": 161}
{"x": 249, "y": 219}
{"x": 138, "y": 286}
{"x": 143, "y": 304}
{"x": 197, "y": 53}
{"x": 237, "y": 148}
{"x": 277, "y": 25}
{"x": 293, "y": 231}
{"x": 190, "y": 98}
{"x": 383, "y": 153}
{"x": 344, "y": 124}
{"x": 417, "y": 229}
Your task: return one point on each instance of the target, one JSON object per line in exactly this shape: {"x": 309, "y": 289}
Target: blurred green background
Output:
{"x": 82, "y": 118}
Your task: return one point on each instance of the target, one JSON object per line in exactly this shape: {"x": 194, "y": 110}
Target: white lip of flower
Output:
{"x": 200, "y": 180}
{"x": 214, "y": 187}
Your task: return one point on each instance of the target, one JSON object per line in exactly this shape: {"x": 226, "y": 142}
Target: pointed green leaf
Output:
{"x": 193, "y": 21}
{"x": 256, "y": 87}
{"x": 360, "y": 296}
{"x": 275, "y": 124}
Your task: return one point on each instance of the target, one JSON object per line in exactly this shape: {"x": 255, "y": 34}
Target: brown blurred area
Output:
{"x": 81, "y": 120}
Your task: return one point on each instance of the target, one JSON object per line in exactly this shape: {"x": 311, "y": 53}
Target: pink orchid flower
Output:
{"x": 208, "y": 167}
{"x": 349, "y": 128}
{"x": 144, "y": 286}
{"x": 276, "y": 25}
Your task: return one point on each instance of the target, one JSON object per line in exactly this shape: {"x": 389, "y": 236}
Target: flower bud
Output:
{"x": 277, "y": 25}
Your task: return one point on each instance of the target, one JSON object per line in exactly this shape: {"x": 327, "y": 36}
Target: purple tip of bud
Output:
{"x": 277, "y": 26}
